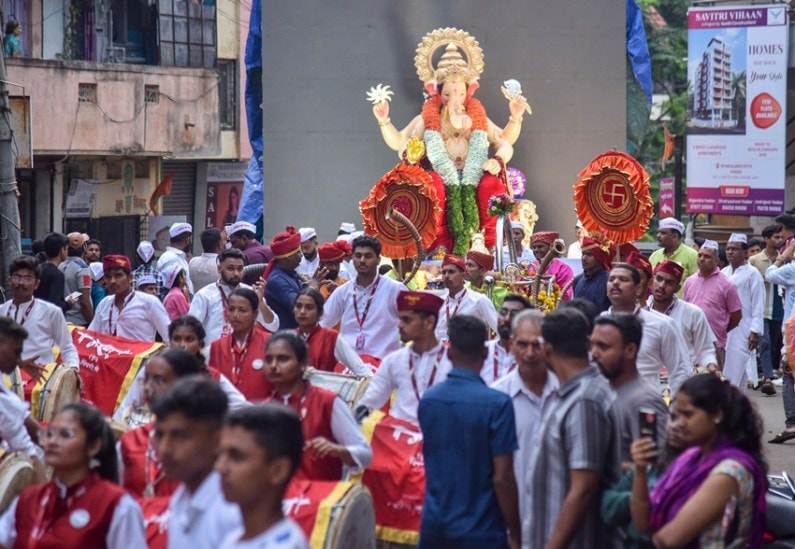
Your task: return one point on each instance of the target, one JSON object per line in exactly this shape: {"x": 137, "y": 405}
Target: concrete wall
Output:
{"x": 323, "y": 149}
{"x": 119, "y": 122}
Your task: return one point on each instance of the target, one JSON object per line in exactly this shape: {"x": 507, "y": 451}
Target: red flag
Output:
{"x": 163, "y": 189}
{"x": 668, "y": 150}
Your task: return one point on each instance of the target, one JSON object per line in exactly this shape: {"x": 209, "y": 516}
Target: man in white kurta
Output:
{"x": 500, "y": 361}
{"x": 412, "y": 369}
{"x": 741, "y": 343}
{"x": 209, "y": 303}
{"x": 662, "y": 345}
{"x": 458, "y": 300}
{"x": 691, "y": 320}
{"x": 366, "y": 307}
{"x": 126, "y": 312}
{"x": 43, "y": 321}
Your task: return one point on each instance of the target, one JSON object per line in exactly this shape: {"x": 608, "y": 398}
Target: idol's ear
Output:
{"x": 430, "y": 87}
{"x": 472, "y": 88}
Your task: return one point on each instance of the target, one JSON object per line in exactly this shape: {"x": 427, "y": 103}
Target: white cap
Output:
{"x": 241, "y": 226}
{"x": 347, "y": 228}
{"x": 516, "y": 225}
{"x": 145, "y": 250}
{"x": 579, "y": 225}
{"x": 170, "y": 273}
{"x": 179, "y": 228}
{"x": 145, "y": 280}
{"x": 344, "y": 238}
{"x": 739, "y": 237}
{"x": 672, "y": 223}
{"x": 96, "y": 270}
{"x": 710, "y": 245}
{"x": 307, "y": 233}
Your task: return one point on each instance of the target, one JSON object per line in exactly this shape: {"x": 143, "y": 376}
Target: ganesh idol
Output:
{"x": 464, "y": 151}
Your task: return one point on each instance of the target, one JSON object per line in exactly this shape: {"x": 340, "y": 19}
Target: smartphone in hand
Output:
{"x": 648, "y": 424}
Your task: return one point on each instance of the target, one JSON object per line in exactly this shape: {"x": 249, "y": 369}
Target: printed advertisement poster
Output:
{"x": 224, "y": 188}
{"x": 736, "y": 128}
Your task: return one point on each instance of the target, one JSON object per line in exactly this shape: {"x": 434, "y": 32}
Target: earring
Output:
{"x": 93, "y": 463}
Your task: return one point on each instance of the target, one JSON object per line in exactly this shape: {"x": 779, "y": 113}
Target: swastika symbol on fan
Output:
{"x": 614, "y": 194}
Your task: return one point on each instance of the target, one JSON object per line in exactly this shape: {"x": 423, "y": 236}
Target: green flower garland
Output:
{"x": 463, "y": 218}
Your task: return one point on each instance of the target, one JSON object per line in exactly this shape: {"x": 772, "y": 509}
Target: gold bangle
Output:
{"x": 385, "y": 122}
{"x": 515, "y": 119}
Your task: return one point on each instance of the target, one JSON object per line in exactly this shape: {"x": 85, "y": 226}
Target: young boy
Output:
{"x": 189, "y": 416}
{"x": 260, "y": 450}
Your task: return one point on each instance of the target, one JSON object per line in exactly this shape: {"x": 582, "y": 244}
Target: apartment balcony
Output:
{"x": 86, "y": 108}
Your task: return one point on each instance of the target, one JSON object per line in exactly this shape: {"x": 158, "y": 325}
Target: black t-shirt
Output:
{"x": 51, "y": 286}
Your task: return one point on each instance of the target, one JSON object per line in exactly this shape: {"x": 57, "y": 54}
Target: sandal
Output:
{"x": 782, "y": 437}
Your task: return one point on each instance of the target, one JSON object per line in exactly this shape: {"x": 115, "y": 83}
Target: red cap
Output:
{"x": 640, "y": 262}
{"x": 601, "y": 251}
{"x": 671, "y": 267}
{"x": 286, "y": 243}
{"x": 420, "y": 302}
{"x": 116, "y": 262}
{"x": 330, "y": 253}
{"x": 345, "y": 246}
{"x": 484, "y": 260}
{"x": 547, "y": 237}
{"x": 627, "y": 248}
{"x": 450, "y": 259}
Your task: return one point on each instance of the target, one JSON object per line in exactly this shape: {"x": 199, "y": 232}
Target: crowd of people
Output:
{"x": 618, "y": 414}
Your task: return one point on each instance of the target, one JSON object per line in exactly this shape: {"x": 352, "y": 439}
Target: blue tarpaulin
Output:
{"x": 638, "y": 48}
{"x": 252, "y": 200}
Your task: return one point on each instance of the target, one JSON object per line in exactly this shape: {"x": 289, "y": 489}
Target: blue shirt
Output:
{"x": 464, "y": 426}
{"x": 593, "y": 288}
{"x": 280, "y": 293}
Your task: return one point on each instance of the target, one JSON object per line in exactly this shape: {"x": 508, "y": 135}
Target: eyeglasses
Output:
{"x": 20, "y": 278}
{"x": 64, "y": 433}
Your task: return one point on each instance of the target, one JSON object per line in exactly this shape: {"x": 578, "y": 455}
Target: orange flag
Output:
{"x": 668, "y": 150}
{"x": 163, "y": 189}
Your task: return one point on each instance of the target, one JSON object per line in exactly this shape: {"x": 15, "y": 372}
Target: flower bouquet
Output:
{"x": 500, "y": 204}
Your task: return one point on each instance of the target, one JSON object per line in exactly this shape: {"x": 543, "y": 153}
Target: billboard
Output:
{"x": 736, "y": 128}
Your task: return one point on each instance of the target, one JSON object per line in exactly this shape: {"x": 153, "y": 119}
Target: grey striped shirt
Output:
{"x": 581, "y": 431}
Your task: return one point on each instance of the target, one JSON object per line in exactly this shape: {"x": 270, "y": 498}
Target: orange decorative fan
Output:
{"x": 612, "y": 196}
{"x": 409, "y": 190}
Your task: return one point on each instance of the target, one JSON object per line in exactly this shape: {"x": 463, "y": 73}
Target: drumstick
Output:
{"x": 509, "y": 97}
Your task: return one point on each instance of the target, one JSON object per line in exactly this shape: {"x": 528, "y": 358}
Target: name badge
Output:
{"x": 360, "y": 342}
{"x": 79, "y": 518}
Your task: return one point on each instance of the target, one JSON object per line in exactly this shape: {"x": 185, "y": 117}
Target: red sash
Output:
{"x": 155, "y": 512}
{"x": 309, "y": 504}
{"x": 396, "y": 477}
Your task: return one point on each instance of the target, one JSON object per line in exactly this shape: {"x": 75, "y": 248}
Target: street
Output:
{"x": 779, "y": 456}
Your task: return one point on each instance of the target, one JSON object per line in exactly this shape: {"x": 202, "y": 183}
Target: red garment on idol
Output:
{"x": 40, "y": 507}
{"x": 245, "y": 369}
{"x": 314, "y": 407}
{"x": 321, "y": 343}
{"x": 134, "y": 446}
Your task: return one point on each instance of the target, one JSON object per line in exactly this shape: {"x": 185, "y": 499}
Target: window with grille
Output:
{"x": 87, "y": 92}
{"x": 151, "y": 94}
{"x": 187, "y": 34}
{"x": 227, "y": 93}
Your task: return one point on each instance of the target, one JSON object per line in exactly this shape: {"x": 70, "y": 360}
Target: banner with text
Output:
{"x": 736, "y": 127}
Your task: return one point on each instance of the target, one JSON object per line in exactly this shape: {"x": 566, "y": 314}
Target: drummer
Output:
{"x": 326, "y": 348}
{"x": 189, "y": 416}
{"x": 81, "y": 506}
{"x": 139, "y": 470}
{"x": 412, "y": 369}
{"x": 15, "y": 420}
{"x": 333, "y": 439}
{"x": 459, "y": 300}
{"x": 43, "y": 321}
{"x": 126, "y": 312}
{"x": 260, "y": 451}
{"x": 478, "y": 264}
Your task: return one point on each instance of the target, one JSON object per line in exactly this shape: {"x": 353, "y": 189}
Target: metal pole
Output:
{"x": 9, "y": 207}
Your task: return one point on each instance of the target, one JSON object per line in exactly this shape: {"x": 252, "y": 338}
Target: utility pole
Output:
{"x": 9, "y": 207}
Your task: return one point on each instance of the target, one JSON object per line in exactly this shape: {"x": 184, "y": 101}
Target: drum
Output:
{"x": 14, "y": 382}
{"x": 333, "y": 515}
{"x": 60, "y": 389}
{"x": 349, "y": 388}
{"x": 16, "y": 473}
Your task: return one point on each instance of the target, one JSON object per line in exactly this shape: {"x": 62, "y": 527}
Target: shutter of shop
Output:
{"x": 183, "y": 189}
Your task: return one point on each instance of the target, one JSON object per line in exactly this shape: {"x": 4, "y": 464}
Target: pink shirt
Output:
{"x": 563, "y": 275}
{"x": 176, "y": 303}
{"x": 717, "y": 297}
